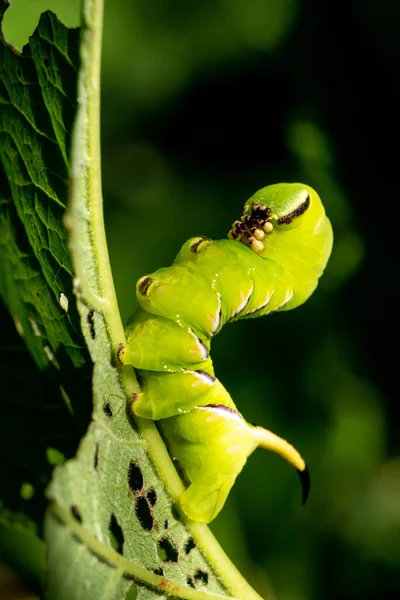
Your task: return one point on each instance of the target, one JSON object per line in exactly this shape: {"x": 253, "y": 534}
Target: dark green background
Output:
{"x": 203, "y": 104}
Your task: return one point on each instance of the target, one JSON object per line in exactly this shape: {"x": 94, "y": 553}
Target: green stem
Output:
{"x": 97, "y": 288}
{"x": 86, "y": 223}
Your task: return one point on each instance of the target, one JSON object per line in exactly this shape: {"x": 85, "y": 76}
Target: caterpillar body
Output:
{"x": 272, "y": 262}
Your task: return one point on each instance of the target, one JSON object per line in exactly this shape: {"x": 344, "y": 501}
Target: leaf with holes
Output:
{"x": 113, "y": 528}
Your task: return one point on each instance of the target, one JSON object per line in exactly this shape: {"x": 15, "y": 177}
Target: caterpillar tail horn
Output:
{"x": 274, "y": 443}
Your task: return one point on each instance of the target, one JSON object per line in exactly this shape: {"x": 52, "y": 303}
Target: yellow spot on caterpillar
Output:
{"x": 197, "y": 383}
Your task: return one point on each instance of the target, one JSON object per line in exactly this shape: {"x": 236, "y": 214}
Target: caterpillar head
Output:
{"x": 275, "y": 210}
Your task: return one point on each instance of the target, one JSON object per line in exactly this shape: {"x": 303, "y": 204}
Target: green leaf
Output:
{"x": 38, "y": 105}
{"x": 38, "y": 100}
{"x": 113, "y": 528}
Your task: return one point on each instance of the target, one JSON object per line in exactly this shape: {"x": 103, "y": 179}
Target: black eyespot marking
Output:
{"x": 90, "y": 322}
{"x": 144, "y": 284}
{"x": 152, "y": 496}
{"x": 76, "y": 513}
{"x": 158, "y": 571}
{"x": 190, "y": 545}
{"x": 135, "y": 478}
{"x": 295, "y": 213}
{"x": 201, "y": 577}
{"x": 194, "y": 246}
{"x": 143, "y": 513}
{"x": 166, "y": 524}
{"x": 116, "y": 534}
{"x": 108, "y": 411}
{"x": 167, "y": 551}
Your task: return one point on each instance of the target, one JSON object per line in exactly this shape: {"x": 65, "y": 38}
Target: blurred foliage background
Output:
{"x": 203, "y": 104}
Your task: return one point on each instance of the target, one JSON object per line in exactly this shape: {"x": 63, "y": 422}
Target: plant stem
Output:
{"x": 86, "y": 222}
{"x": 86, "y": 199}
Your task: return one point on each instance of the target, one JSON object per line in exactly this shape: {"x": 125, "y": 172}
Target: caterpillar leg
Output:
{"x": 203, "y": 499}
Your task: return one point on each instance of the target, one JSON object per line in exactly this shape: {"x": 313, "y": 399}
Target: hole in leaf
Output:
{"x": 152, "y": 496}
{"x": 108, "y": 411}
{"x": 201, "y": 577}
{"x": 143, "y": 513}
{"x": 96, "y": 456}
{"x": 76, "y": 513}
{"x": 190, "y": 545}
{"x": 167, "y": 551}
{"x": 90, "y": 322}
{"x": 166, "y": 524}
{"x": 135, "y": 477}
{"x": 190, "y": 582}
{"x": 158, "y": 571}
{"x": 116, "y": 534}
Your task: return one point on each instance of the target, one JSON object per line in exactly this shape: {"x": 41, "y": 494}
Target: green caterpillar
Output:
{"x": 272, "y": 261}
